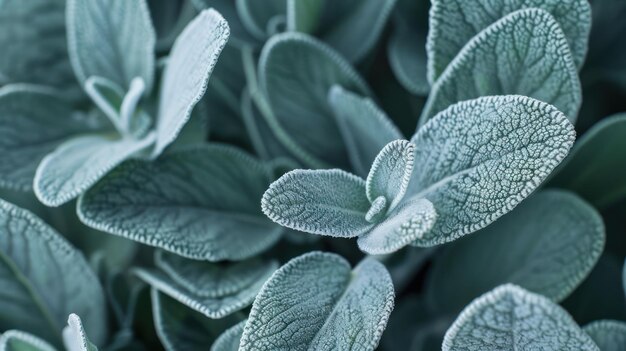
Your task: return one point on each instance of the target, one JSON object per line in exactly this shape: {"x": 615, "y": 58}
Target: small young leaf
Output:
{"x": 327, "y": 202}
{"x": 296, "y": 73}
{"x": 15, "y": 340}
{"x": 74, "y": 335}
{"x": 511, "y": 318}
{"x": 548, "y": 245}
{"x": 186, "y": 75}
{"x": 364, "y": 127}
{"x": 609, "y": 335}
{"x": 594, "y": 169}
{"x": 316, "y": 302}
{"x": 478, "y": 159}
{"x": 113, "y": 39}
{"x": 511, "y": 56}
{"x": 182, "y": 329}
{"x": 304, "y": 15}
{"x": 200, "y": 202}
{"x": 34, "y": 120}
{"x": 229, "y": 340}
{"x": 391, "y": 172}
{"x": 44, "y": 279}
{"x": 79, "y": 163}
{"x": 453, "y": 23}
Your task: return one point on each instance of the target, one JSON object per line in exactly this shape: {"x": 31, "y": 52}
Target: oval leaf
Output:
{"x": 15, "y": 340}
{"x": 511, "y": 318}
{"x": 609, "y": 335}
{"x": 548, "y": 245}
{"x": 479, "y": 158}
{"x": 44, "y": 279}
{"x": 320, "y": 306}
{"x": 229, "y": 340}
{"x": 453, "y": 23}
{"x": 113, "y": 39}
{"x": 327, "y": 202}
{"x": 523, "y": 53}
{"x": 187, "y": 73}
{"x": 296, "y": 73}
{"x": 391, "y": 172}
{"x": 199, "y": 202}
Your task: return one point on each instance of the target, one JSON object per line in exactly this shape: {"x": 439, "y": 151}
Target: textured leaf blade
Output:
{"x": 15, "y": 340}
{"x": 321, "y": 303}
{"x": 479, "y": 158}
{"x": 296, "y": 73}
{"x": 33, "y": 121}
{"x": 229, "y": 340}
{"x": 304, "y": 15}
{"x": 548, "y": 245}
{"x": 74, "y": 335}
{"x": 113, "y": 39}
{"x": 186, "y": 75}
{"x": 511, "y": 318}
{"x": 511, "y": 56}
{"x": 453, "y": 23}
{"x": 391, "y": 172}
{"x": 38, "y": 300}
{"x": 364, "y": 127}
{"x": 326, "y": 202}
{"x": 609, "y": 335}
{"x": 79, "y": 163}
{"x": 199, "y": 202}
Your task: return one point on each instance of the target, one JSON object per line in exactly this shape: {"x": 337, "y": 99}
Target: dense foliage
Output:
{"x": 312, "y": 175}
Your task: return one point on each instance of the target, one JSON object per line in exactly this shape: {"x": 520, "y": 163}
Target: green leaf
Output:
{"x": 44, "y": 279}
{"x": 229, "y": 340}
{"x": 79, "y": 163}
{"x": 113, "y": 39}
{"x": 391, "y": 173}
{"x": 365, "y": 128}
{"x": 15, "y": 340}
{"x": 594, "y": 169}
{"x": 326, "y": 202}
{"x": 479, "y": 158}
{"x": 453, "y": 23}
{"x": 304, "y": 15}
{"x": 228, "y": 9}
{"x": 34, "y": 49}
{"x": 512, "y": 56}
{"x": 217, "y": 299}
{"x": 410, "y": 221}
{"x": 511, "y": 318}
{"x": 609, "y": 335}
{"x": 182, "y": 329}
{"x": 34, "y": 120}
{"x": 548, "y": 245}
{"x": 321, "y": 304}
{"x": 200, "y": 202}
{"x": 262, "y": 18}
{"x": 74, "y": 335}
{"x": 187, "y": 73}
{"x": 296, "y": 73}
{"x": 407, "y": 57}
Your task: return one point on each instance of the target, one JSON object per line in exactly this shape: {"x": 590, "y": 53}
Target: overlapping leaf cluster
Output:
{"x": 312, "y": 175}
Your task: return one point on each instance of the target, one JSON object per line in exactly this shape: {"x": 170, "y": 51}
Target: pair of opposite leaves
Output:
{"x": 111, "y": 47}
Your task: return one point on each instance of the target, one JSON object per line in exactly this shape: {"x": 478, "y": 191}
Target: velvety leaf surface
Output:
{"x": 304, "y": 15}
{"x": 228, "y": 9}
{"x": 523, "y": 53}
{"x": 454, "y": 22}
{"x": 296, "y": 72}
{"x": 186, "y": 75}
{"x": 44, "y": 279}
{"x": 609, "y": 335}
{"x": 15, "y": 340}
{"x": 478, "y": 159}
{"x": 34, "y": 120}
{"x": 365, "y": 128}
{"x": 229, "y": 340}
{"x": 182, "y": 329}
{"x": 34, "y": 48}
{"x": 391, "y": 172}
{"x": 511, "y": 318}
{"x": 594, "y": 169}
{"x": 113, "y": 39}
{"x": 74, "y": 335}
{"x": 327, "y": 202}
{"x": 200, "y": 202}
{"x": 315, "y": 302}
{"x": 79, "y": 163}
{"x": 548, "y": 245}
